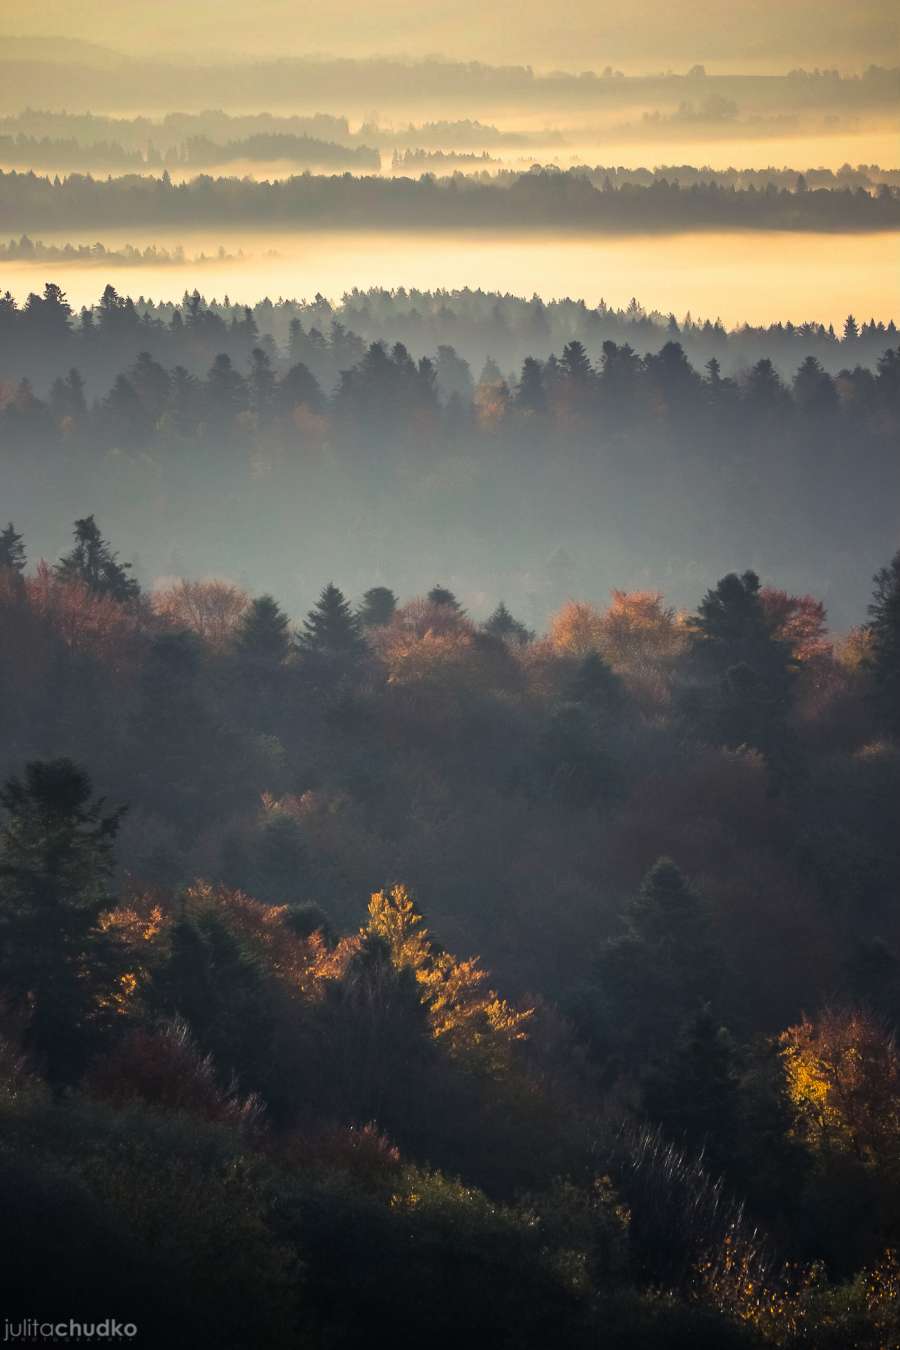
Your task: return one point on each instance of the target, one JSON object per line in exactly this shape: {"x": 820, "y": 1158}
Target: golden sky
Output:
{"x": 642, "y": 35}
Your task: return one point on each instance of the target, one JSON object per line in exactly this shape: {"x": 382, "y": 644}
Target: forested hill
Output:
{"x": 531, "y": 201}
{"x": 286, "y": 1090}
{"x": 41, "y": 338}
{"x": 361, "y": 455}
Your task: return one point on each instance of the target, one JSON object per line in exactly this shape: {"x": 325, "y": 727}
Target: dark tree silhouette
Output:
{"x": 331, "y": 629}
{"x": 262, "y": 636}
{"x": 56, "y": 860}
{"x": 93, "y": 562}
{"x": 439, "y": 595}
{"x": 502, "y": 624}
{"x": 378, "y": 606}
{"x": 12, "y": 549}
{"x": 884, "y": 631}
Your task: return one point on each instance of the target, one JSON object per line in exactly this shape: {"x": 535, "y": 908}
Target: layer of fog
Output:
{"x": 648, "y": 33}
{"x": 754, "y": 277}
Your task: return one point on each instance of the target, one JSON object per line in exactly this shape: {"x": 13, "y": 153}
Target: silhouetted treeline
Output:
{"x": 421, "y": 159}
{"x": 42, "y": 338}
{"x": 157, "y": 138}
{"x": 26, "y": 249}
{"x": 55, "y": 152}
{"x": 278, "y": 145}
{"x": 430, "y": 83}
{"x": 564, "y": 200}
{"x": 47, "y": 152}
{"x": 158, "y": 150}
{"x": 361, "y": 446}
{"x": 688, "y": 175}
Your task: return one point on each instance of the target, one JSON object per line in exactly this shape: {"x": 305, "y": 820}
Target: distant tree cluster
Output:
{"x": 42, "y": 338}
{"x": 372, "y": 453}
{"x": 306, "y": 151}
{"x": 529, "y": 201}
{"x": 26, "y": 249}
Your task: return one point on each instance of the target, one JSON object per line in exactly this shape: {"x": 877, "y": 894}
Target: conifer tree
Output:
{"x": 262, "y": 636}
{"x": 661, "y": 970}
{"x": 531, "y": 394}
{"x": 694, "y": 1093}
{"x": 221, "y": 991}
{"x": 331, "y": 629}
{"x": 747, "y": 671}
{"x": 56, "y": 860}
{"x": 596, "y": 684}
{"x": 576, "y": 363}
{"x": 884, "y": 630}
{"x": 378, "y": 607}
{"x": 12, "y": 549}
{"x": 439, "y": 595}
{"x": 502, "y": 624}
{"x": 93, "y": 562}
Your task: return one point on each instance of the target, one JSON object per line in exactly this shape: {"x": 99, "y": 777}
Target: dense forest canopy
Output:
{"x": 670, "y": 833}
{"x": 568, "y": 201}
{"x": 374, "y": 451}
{"x": 450, "y": 721}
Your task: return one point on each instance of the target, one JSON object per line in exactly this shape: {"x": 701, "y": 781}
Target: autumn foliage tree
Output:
{"x": 212, "y": 609}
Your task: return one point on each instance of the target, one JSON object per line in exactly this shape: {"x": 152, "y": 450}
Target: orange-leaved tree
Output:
{"x": 464, "y": 1014}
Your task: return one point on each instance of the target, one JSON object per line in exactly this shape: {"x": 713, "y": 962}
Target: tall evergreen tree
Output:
{"x": 12, "y": 549}
{"x": 93, "y": 562}
{"x": 331, "y": 629}
{"x": 597, "y": 685}
{"x": 502, "y": 624}
{"x": 262, "y": 636}
{"x": 694, "y": 1092}
{"x": 439, "y": 595}
{"x": 378, "y": 607}
{"x": 884, "y": 631}
{"x": 56, "y": 860}
{"x": 531, "y": 395}
{"x": 575, "y": 362}
{"x": 745, "y": 672}
{"x": 661, "y": 970}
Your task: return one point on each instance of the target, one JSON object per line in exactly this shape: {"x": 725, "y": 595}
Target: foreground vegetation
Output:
{"x": 669, "y": 1115}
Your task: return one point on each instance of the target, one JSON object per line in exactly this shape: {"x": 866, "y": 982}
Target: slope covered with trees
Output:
{"x": 520, "y": 202}
{"x": 668, "y": 1115}
{"x": 360, "y": 459}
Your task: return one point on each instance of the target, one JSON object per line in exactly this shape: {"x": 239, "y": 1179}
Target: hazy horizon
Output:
{"x": 650, "y": 35}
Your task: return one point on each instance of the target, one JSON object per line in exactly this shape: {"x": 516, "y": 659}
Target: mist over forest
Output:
{"x": 450, "y": 675}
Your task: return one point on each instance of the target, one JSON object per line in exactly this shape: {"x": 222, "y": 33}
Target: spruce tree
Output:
{"x": 262, "y": 636}
{"x": 12, "y": 549}
{"x": 531, "y": 395}
{"x": 501, "y": 624}
{"x": 56, "y": 848}
{"x": 576, "y": 363}
{"x": 884, "y": 631}
{"x": 744, "y": 673}
{"x": 694, "y": 1093}
{"x": 596, "y": 685}
{"x": 331, "y": 630}
{"x": 439, "y": 595}
{"x": 662, "y": 969}
{"x": 378, "y": 607}
{"x": 93, "y": 562}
